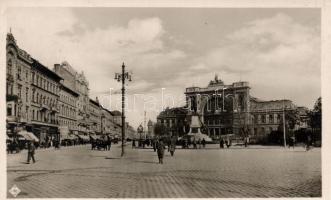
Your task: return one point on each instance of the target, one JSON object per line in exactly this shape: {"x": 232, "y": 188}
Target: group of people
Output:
{"x": 159, "y": 145}
{"x": 101, "y": 144}
{"x": 225, "y": 142}
{"x": 186, "y": 143}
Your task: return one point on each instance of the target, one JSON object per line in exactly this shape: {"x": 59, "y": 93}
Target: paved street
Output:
{"x": 82, "y": 173}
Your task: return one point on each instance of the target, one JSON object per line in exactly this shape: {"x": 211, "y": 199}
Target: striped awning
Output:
{"x": 28, "y": 135}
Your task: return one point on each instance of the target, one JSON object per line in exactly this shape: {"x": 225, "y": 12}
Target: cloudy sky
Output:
{"x": 276, "y": 50}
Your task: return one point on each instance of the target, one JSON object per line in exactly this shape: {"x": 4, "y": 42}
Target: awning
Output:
{"x": 84, "y": 137}
{"x": 94, "y": 137}
{"x": 28, "y": 135}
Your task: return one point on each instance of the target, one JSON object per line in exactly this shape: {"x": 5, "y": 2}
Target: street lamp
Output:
{"x": 121, "y": 77}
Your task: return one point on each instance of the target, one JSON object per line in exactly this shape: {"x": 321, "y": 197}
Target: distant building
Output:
{"x": 68, "y": 111}
{"x": 78, "y": 83}
{"x": 174, "y": 120}
{"x": 230, "y": 109}
{"x": 94, "y": 113}
{"x": 150, "y": 129}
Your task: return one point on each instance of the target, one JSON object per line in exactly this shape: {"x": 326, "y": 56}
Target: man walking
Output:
{"x": 203, "y": 143}
{"x": 31, "y": 151}
{"x": 160, "y": 151}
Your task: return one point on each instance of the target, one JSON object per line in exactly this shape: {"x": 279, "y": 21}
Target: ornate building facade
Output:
{"x": 68, "y": 111}
{"x": 32, "y": 93}
{"x": 230, "y": 109}
{"x": 78, "y": 83}
{"x": 47, "y": 102}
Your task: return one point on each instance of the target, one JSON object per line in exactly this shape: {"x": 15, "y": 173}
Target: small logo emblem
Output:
{"x": 14, "y": 190}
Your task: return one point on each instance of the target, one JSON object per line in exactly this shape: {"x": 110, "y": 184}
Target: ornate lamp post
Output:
{"x": 122, "y": 77}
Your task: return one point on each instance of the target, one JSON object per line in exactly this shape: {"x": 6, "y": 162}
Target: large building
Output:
{"x": 18, "y": 86}
{"x": 223, "y": 109}
{"x": 68, "y": 111}
{"x": 94, "y": 112}
{"x": 45, "y": 86}
{"x": 230, "y": 109}
{"x": 78, "y": 83}
{"x": 32, "y": 94}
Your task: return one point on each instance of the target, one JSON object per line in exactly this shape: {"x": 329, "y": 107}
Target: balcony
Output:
{"x": 54, "y": 109}
{"x": 43, "y": 107}
{"x": 10, "y": 77}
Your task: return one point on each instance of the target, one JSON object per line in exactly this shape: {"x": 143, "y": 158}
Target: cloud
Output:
{"x": 275, "y": 52}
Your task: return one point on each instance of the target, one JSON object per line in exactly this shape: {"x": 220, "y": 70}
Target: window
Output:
{"x": 19, "y": 72}
{"x": 27, "y": 75}
{"x": 27, "y": 112}
{"x": 19, "y": 92}
{"x": 27, "y": 94}
{"x": 256, "y": 117}
{"x": 263, "y": 118}
{"x": 33, "y": 95}
{"x": 37, "y": 83}
{"x": 278, "y": 118}
{"x": 32, "y": 77}
{"x": 9, "y": 66}
{"x": 271, "y": 119}
{"x": 9, "y": 110}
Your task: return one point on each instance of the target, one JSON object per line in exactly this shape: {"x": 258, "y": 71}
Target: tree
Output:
{"x": 316, "y": 115}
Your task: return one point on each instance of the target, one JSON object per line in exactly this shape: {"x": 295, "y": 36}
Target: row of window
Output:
{"x": 267, "y": 118}
{"x": 68, "y": 99}
{"x": 41, "y": 116}
{"x": 67, "y": 111}
{"x": 43, "y": 99}
{"x": 70, "y": 124}
{"x": 44, "y": 83}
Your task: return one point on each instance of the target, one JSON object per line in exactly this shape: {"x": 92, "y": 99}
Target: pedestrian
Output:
{"x": 172, "y": 146}
{"x": 203, "y": 143}
{"x": 31, "y": 151}
{"x": 133, "y": 143}
{"x": 154, "y": 144}
{"x": 160, "y": 151}
{"x": 222, "y": 143}
{"x": 194, "y": 143}
{"x": 108, "y": 143}
{"x": 199, "y": 143}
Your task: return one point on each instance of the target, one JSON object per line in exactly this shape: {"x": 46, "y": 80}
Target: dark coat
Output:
{"x": 160, "y": 149}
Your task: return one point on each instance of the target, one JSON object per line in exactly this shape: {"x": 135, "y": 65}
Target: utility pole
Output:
{"x": 122, "y": 77}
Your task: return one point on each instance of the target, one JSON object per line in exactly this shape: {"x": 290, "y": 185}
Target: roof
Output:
{"x": 94, "y": 102}
{"x": 65, "y": 88}
{"x": 42, "y": 68}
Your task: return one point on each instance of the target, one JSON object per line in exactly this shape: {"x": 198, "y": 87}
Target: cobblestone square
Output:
{"x": 78, "y": 172}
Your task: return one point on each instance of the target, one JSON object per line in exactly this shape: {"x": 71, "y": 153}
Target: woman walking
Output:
{"x": 160, "y": 151}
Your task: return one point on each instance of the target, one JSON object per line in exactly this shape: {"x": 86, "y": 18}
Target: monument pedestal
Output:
{"x": 195, "y": 129}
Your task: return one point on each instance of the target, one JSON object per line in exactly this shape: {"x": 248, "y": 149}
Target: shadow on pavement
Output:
{"x": 111, "y": 158}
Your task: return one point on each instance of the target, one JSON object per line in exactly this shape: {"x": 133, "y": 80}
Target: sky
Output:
{"x": 168, "y": 49}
